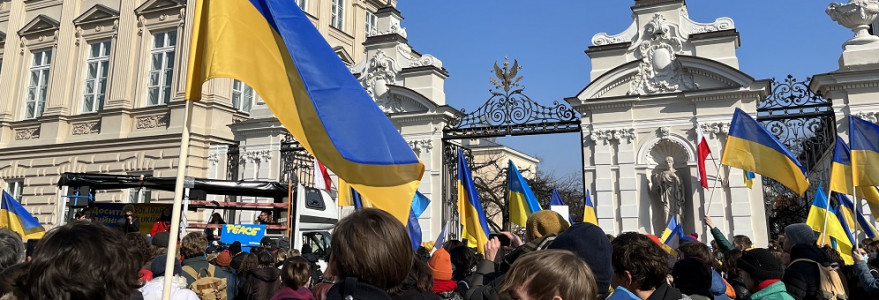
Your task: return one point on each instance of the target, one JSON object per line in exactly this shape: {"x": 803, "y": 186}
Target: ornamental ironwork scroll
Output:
{"x": 510, "y": 112}
{"x": 450, "y": 185}
{"x": 296, "y": 163}
{"x": 805, "y": 123}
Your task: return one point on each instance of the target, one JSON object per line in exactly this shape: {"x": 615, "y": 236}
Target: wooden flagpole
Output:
{"x": 178, "y": 199}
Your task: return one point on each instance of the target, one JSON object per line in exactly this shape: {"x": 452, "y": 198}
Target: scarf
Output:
{"x": 440, "y": 286}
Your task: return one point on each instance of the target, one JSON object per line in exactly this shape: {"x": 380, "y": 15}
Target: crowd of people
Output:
{"x": 372, "y": 258}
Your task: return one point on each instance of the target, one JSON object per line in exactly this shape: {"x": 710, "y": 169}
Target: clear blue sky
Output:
{"x": 548, "y": 38}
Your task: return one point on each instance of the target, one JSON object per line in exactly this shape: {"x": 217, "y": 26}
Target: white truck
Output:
{"x": 313, "y": 213}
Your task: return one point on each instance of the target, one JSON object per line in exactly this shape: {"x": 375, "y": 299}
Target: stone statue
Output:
{"x": 670, "y": 189}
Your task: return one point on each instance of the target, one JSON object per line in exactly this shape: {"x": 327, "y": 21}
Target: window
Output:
{"x": 95, "y": 86}
{"x": 303, "y": 4}
{"x": 14, "y": 188}
{"x": 242, "y": 96}
{"x": 338, "y": 14}
{"x": 39, "y": 84}
{"x": 370, "y": 23}
{"x": 161, "y": 67}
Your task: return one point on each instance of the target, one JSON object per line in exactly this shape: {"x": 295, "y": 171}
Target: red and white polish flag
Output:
{"x": 321, "y": 176}
{"x": 702, "y": 153}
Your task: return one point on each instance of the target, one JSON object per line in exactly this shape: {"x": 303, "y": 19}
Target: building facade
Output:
{"x": 97, "y": 86}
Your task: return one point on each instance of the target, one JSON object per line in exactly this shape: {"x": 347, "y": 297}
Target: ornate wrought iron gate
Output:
{"x": 806, "y": 124}
{"x": 507, "y": 112}
{"x": 296, "y": 163}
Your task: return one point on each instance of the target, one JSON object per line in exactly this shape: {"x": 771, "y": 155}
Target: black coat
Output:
{"x": 260, "y": 284}
{"x": 742, "y": 292}
{"x": 803, "y": 279}
{"x": 126, "y": 227}
{"x": 415, "y": 294}
{"x": 666, "y": 292}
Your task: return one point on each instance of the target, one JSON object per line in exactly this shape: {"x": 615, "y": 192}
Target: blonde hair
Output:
{"x": 548, "y": 273}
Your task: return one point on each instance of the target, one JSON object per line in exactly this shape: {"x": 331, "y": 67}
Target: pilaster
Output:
{"x": 59, "y": 98}
{"x": 120, "y": 93}
{"x": 11, "y": 97}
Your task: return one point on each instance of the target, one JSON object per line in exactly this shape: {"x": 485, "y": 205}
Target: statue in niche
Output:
{"x": 670, "y": 189}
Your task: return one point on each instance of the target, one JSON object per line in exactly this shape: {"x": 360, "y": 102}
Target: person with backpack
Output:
{"x": 153, "y": 290}
{"x": 762, "y": 271}
{"x": 203, "y": 278}
{"x": 808, "y": 275}
{"x": 264, "y": 281}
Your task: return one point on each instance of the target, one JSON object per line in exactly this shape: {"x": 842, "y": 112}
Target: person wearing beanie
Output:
{"x": 440, "y": 264}
{"x": 802, "y": 277}
{"x": 762, "y": 271}
{"x": 152, "y": 290}
{"x": 693, "y": 278}
{"x": 544, "y": 222}
{"x": 224, "y": 261}
{"x": 589, "y": 243}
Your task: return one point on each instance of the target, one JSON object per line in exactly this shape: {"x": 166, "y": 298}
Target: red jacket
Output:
{"x": 159, "y": 226}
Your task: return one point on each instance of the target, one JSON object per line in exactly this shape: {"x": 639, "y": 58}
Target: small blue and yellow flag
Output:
{"x": 272, "y": 46}
{"x": 14, "y": 217}
{"x": 833, "y": 227}
{"x": 589, "y": 210}
{"x": 523, "y": 203}
{"x": 751, "y": 147}
{"x": 671, "y": 236}
{"x": 847, "y": 208}
{"x": 864, "y": 140}
{"x": 841, "y": 175}
{"x": 749, "y": 179}
{"x": 474, "y": 225}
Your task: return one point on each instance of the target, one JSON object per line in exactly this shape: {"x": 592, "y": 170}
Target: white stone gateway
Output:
{"x": 651, "y": 86}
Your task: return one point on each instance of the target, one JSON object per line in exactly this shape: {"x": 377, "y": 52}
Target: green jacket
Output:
{"x": 722, "y": 243}
{"x": 775, "y": 291}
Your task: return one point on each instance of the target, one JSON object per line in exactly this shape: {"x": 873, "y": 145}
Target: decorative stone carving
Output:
{"x": 713, "y": 129}
{"x": 856, "y": 15}
{"x": 421, "y": 146}
{"x": 662, "y": 148}
{"x": 86, "y": 128}
{"x": 29, "y": 133}
{"x": 692, "y": 27}
{"x": 390, "y": 104}
{"x": 214, "y": 158}
{"x": 256, "y": 156}
{"x": 628, "y": 35}
{"x": 153, "y": 121}
{"x": 664, "y": 132}
{"x": 609, "y": 135}
{"x": 394, "y": 28}
{"x": 873, "y": 117}
{"x": 660, "y": 71}
{"x": 380, "y": 71}
{"x": 668, "y": 188}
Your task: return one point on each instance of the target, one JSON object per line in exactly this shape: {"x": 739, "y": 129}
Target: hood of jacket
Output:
{"x": 266, "y": 274}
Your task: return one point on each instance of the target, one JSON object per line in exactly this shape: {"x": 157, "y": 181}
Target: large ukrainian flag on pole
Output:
{"x": 273, "y": 46}
{"x": 14, "y": 217}
{"x": 847, "y": 210}
{"x": 824, "y": 218}
{"x": 864, "y": 140}
{"x": 841, "y": 175}
{"x": 751, "y": 147}
{"x": 523, "y": 203}
{"x": 474, "y": 226}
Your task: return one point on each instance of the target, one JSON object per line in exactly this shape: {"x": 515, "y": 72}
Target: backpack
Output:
{"x": 829, "y": 284}
{"x": 207, "y": 287}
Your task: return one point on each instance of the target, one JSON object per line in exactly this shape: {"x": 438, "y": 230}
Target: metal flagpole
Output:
{"x": 178, "y": 199}
{"x": 857, "y": 203}
{"x": 826, "y": 213}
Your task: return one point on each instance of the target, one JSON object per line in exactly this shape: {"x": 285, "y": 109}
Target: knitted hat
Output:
{"x": 158, "y": 266}
{"x": 161, "y": 239}
{"x": 591, "y": 245}
{"x": 544, "y": 222}
{"x": 761, "y": 264}
{"x": 224, "y": 259}
{"x": 692, "y": 276}
{"x": 799, "y": 233}
{"x": 235, "y": 248}
{"x": 441, "y": 265}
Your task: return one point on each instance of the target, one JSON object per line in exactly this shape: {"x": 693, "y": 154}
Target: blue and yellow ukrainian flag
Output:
{"x": 671, "y": 236}
{"x": 474, "y": 225}
{"x": 841, "y": 175}
{"x": 864, "y": 140}
{"x": 523, "y": 203}
{"x": 273, "y": 46}
{"x": 833, "y": 227}
{"x": 749, "y": 179}
{"x": 751, "y": 147}
{"x": 847, "y": 209}
{"x": 589, "y": 210}
{"x": 16, "y": 218}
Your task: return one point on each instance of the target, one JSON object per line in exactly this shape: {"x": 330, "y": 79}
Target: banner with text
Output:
{"x": 248, "y": 235}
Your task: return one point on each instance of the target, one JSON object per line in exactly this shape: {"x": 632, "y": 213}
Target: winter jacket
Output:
{"x": 179, "y": 291}
{"x": 260, "y": 284}
{"x": 480, "y": 288}
{"x": 352, "y": 289}
{"x": 802, "y": 279}
{"x": 126, "y": 227}
{"x": 667, "y": 292}
{"x": 160, "y": 226}
{"x": 870, "y": 283}
{"x": 722, "y": 243}
{"x": 742, "y": 292}
{"x": 415, "y": 294}
{"x": 775, "y": 291}
{"x": 718, "y": 286}
{"x": 287, "y": 293}
{"x": 199, "y": 263}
